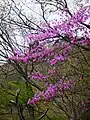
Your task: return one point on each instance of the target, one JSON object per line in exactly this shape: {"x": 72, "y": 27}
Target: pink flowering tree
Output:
{"x": 45, "y": 50}
{"x": 54, "y": 65}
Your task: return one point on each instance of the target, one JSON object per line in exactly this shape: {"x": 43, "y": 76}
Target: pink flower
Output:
{"x": 59, "y": 58}
{"x": 38, "y": 76}
{"x": 53, "y": 61}
{"x": 84, "y": 42}
{"x": 51, "y": 72}
{"x": 16, "y": 52}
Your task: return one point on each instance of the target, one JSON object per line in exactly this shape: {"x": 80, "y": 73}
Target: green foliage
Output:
{"x": 8, "y": 94}
{"x": 25, "y": 90}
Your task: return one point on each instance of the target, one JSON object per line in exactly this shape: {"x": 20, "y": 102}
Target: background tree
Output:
{"x": 15, "y": 20}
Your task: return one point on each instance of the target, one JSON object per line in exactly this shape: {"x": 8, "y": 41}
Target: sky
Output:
{"x": 31, "y": 9}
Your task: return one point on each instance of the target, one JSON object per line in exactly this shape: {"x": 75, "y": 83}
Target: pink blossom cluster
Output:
{"x": 51, "y": 72}
{"x": 18, "y": 56}
{"x": 45, "y": 34}
{"x": 65, "y": 49}
{"x": 37, "y": 53}
{"x": 81, "y": 15}
{"x": 52, "y": 91}
{"x": 56, "y": 59}
{"x": 64, "y": 85}
{"x": 84, "y": 42}
{"x": 38, "y": 76}
{"x": 72, "y": 27}
{"x": 41, "y": 52}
